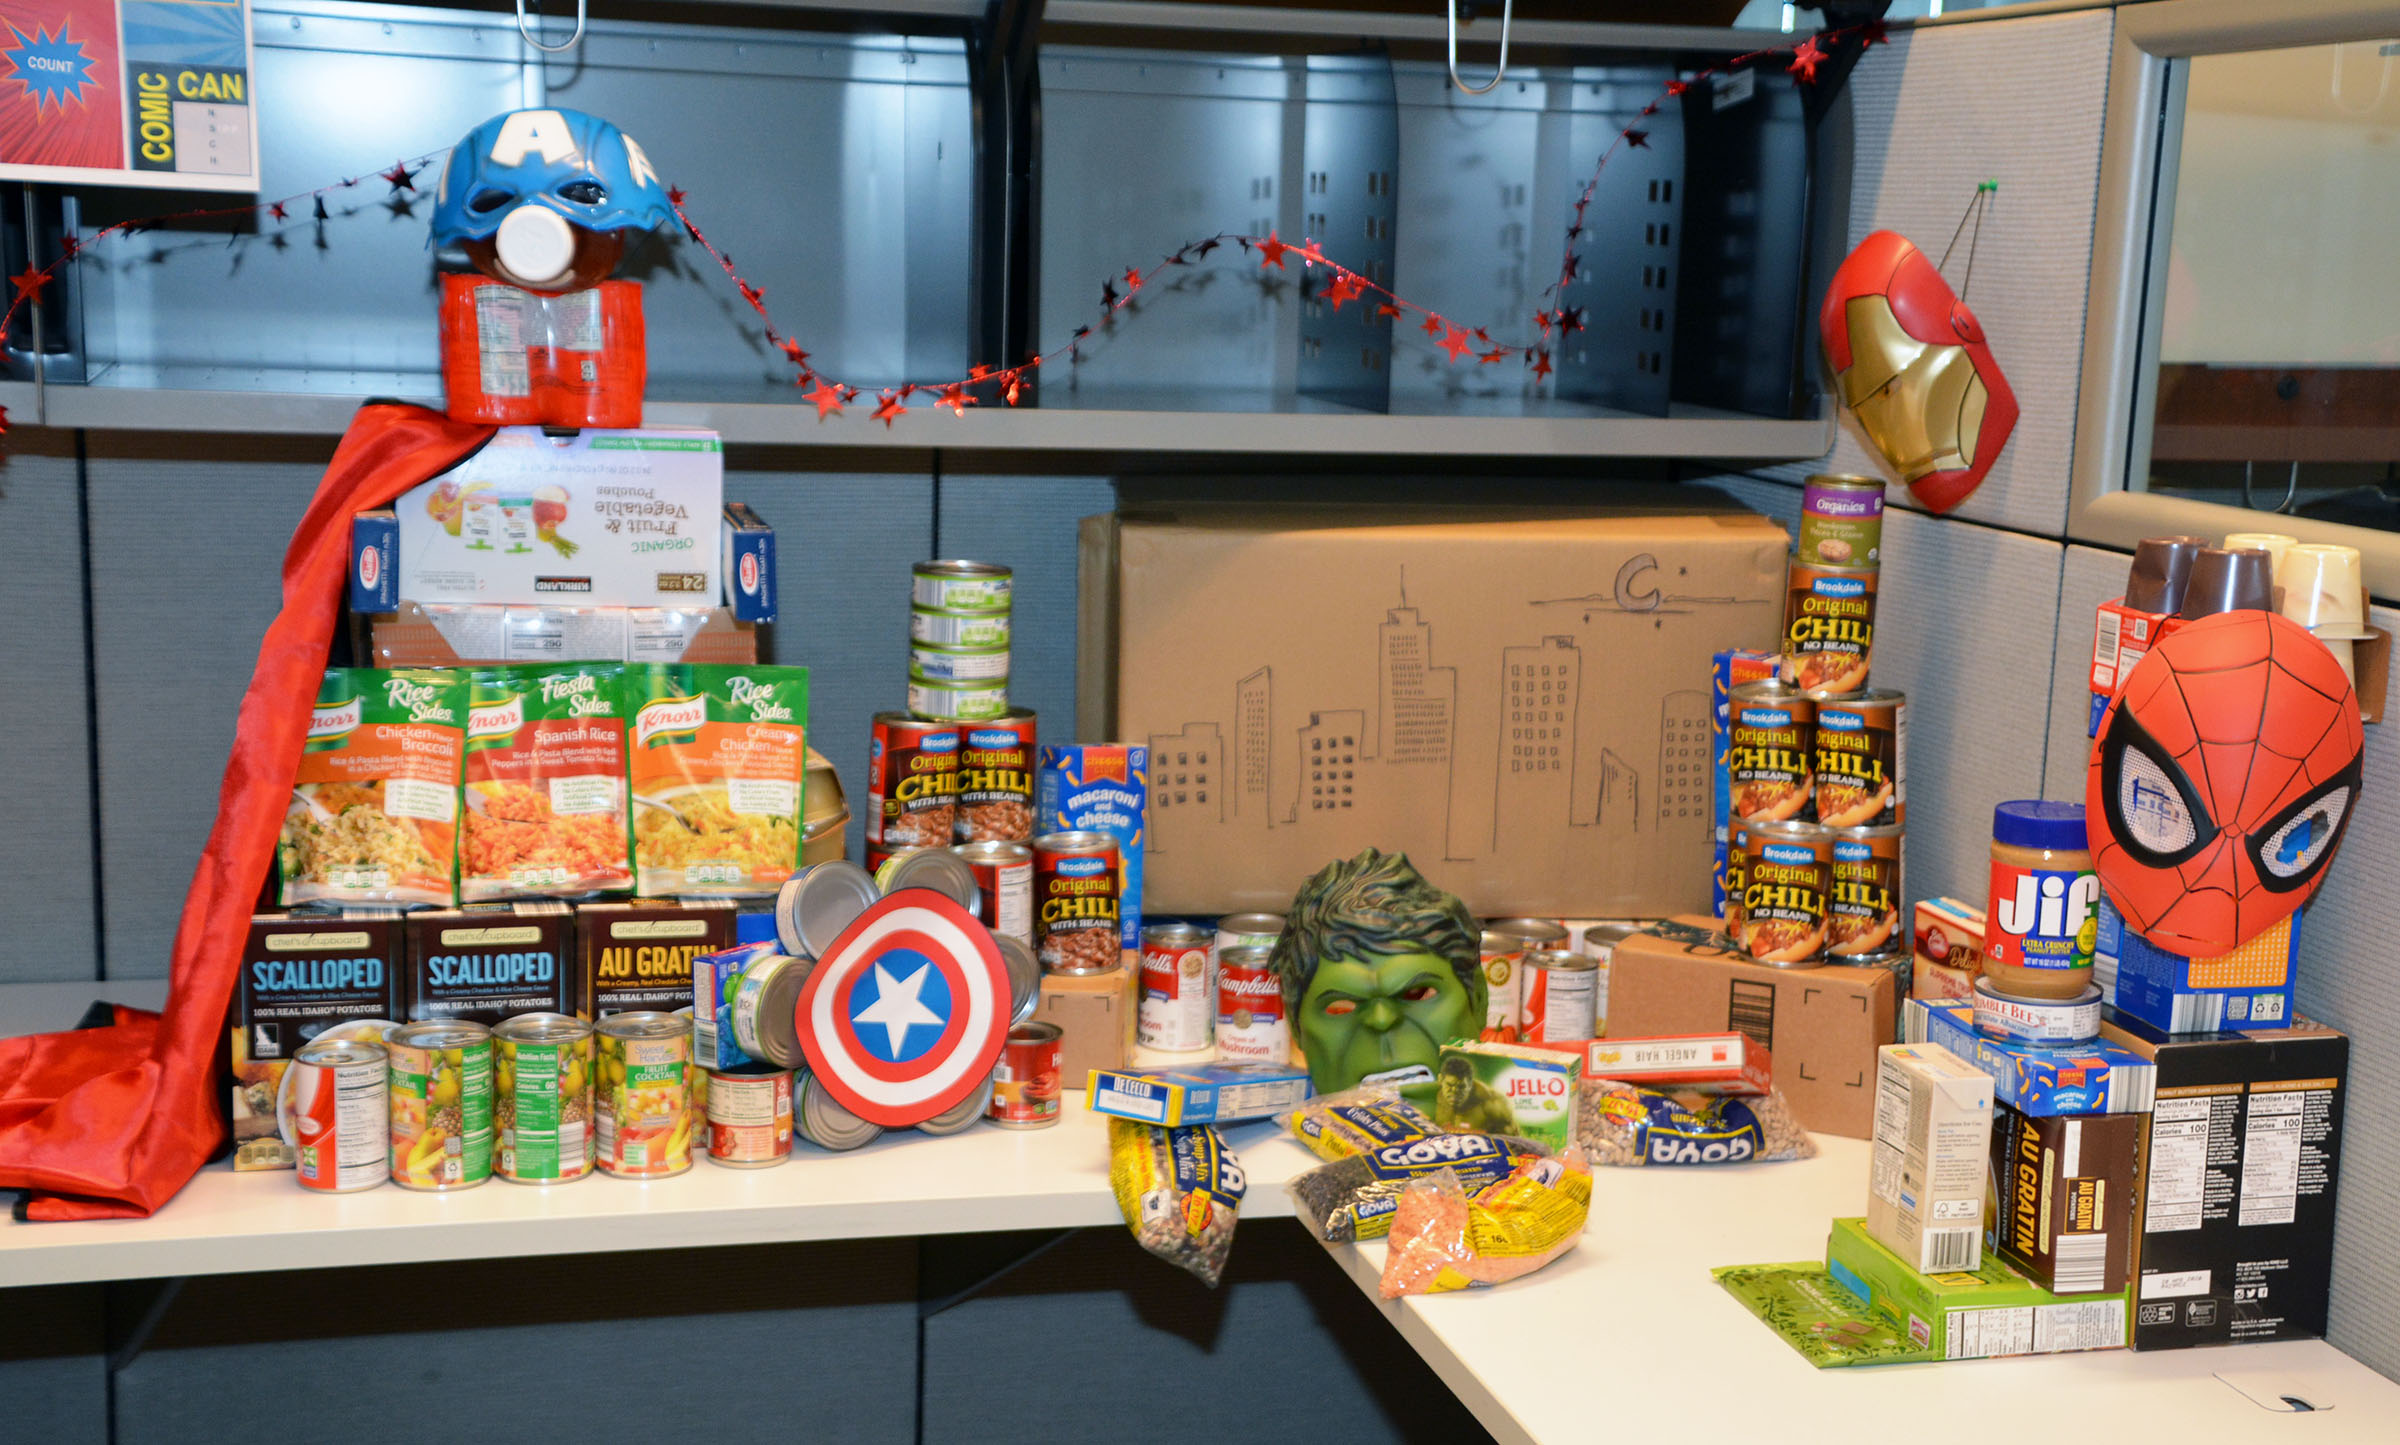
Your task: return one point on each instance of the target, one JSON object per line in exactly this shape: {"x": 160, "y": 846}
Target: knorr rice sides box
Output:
{"x": 1504, "y": 1089}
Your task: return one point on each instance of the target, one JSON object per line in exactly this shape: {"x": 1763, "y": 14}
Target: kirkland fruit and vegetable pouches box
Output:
{"x": 2242, "y": 1167}
{"x": 302, "y": 974}
{"x": 1971, "y": 1314}
{"x": 1822, "y": 1025}
{"x": 1515, "y": 697}
{"x": 597, "y": 518}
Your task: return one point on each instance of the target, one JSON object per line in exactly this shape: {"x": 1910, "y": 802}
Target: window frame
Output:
{"x": 2140, "y": 150}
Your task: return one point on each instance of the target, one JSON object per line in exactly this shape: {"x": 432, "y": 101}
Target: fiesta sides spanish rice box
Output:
{"x": 491, "y": 962}
{"x": 302, "y": 973}
{"x": 1515, "y": 697}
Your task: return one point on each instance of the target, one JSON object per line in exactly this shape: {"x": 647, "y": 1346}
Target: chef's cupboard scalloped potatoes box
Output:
{"x": 1517, "y": 698}
{"x": 598, "y": 518}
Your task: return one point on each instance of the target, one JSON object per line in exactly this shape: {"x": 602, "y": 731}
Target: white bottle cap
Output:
{"x": 536, "y": 245}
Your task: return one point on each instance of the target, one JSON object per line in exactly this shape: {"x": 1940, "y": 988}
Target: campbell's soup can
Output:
{"x": 1505, "y": 942}
{"x": 1562, "y": 996}
{"x": 1178, "y": 1010}
{"x": 1251, "y": 1026}
{"x": 1025, "y": 1085}
{"x": 342, "y": 1115}
{"x": 1004, "y": 881}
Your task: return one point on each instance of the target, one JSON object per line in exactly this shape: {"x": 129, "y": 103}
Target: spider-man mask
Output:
{"x": 1912, "y": 364}
{"x": 2222, "y": 780}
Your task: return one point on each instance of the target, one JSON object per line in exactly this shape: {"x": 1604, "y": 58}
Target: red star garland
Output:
{"x": 890, "y": 410}
{"x": 1270, "y": 252}
{"x": 1677, "y": 87}
{"x": 3, "y": 421}
{"x": 1806, "y": 59}
{"x": 1489, "y": 357}
{"x": 1872, "y": 34}
{"x": 29, "y": 284}
{"x": 954, "y": 396}
{"x": 276, "y": 212}
{"x": 400, "y": 177}
{"x": 1133, "y": 281}
{"x": 1541, "y": 364}
{"x": 1385, "y": 308}
{"x": 1638, "y": 139}
{"x": 1433, "y": 324}
{"x": 1345, "y": 287}
{"x": 675, "y": 195}
{"x": 792, "y": 349}
{"x": 1310, "y": 255}
{"x": 1457, "y": 343}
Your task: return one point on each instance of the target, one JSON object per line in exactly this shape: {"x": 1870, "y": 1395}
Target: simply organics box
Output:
{"x": 596, "y": 518}
{"x": 1516, "y": 698}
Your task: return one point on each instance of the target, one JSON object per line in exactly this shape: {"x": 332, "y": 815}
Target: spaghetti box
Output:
{"x": 1202, "y": 1094}
{"x": 1933, "y": 1146}
{"x": 1726, "y": 1063}
{"x": 1516, "y": 1089}
{"x": 489, "y": 962}
{"x": 2093, "y": 1078}
{"x": 2063, "y": 1191}
{"x": 1823, "y": 1025}
{"x": 2242, "y": 1166}
{"x": 713, "y": 979}
{"x": 2252, "y": 985}
{"x": 1971, "y": 1314}
{"x": 302, "y": 973}
{"x": 1728, "y": 670}
{"x": 638, "y": 955}
{"x": 746, "y": 569}
{"x": 1105, "y": 788}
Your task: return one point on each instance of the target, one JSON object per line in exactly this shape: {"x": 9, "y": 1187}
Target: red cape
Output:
{"x": 111, "y": 1122}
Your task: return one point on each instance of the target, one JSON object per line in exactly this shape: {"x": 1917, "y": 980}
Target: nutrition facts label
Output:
{"x": 1975, "y": 1334}
{"x": 2192, "y": 1151}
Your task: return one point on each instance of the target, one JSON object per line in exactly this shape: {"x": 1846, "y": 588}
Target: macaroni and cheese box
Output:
{"x": 1973, "y": 1313}
{"x": 2249, "y": 987}
{"x": 1728, "y": 670}
{"x": 1202, "y": 1094}
{"x": 491, "y": 962}
{"x": 2093, "y": 1078}
{"x": 302, "y": 973}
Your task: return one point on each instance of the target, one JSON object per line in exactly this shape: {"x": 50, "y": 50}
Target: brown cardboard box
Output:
{"x": 456, "y": 634}
{"x": 1516, "y": 698}
{"x": 1094, "y": 1014}
{"x": 1822, "y": 1025}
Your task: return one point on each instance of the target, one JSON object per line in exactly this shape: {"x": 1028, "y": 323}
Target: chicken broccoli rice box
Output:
{"x": 600, "y": 518}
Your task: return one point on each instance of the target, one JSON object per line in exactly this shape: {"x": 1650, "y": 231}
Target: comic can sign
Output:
{"x": 904, "y": 1016}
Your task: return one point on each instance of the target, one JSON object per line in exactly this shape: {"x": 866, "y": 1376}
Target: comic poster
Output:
{"x": 128, "y": 92}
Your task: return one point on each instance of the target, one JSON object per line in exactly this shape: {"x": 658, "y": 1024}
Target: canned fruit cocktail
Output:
{"x": 542, "y": 1080}
{"x": 441, "y": 1094}
{"x": 645, "y": 1100}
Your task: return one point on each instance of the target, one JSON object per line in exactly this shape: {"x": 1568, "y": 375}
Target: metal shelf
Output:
{"x": 1201, "y": 422}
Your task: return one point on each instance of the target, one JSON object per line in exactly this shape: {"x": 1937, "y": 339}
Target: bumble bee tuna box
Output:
{"x": 1497, "y": 1089}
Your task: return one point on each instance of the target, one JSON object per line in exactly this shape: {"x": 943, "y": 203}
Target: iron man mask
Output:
{"x": 1912, "y": 364}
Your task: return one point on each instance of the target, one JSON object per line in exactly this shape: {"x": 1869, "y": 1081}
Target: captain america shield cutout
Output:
{"x": 905, "y": 1015}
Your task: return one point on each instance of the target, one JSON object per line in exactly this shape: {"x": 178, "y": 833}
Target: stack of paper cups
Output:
{"x": 2321, "y": 592}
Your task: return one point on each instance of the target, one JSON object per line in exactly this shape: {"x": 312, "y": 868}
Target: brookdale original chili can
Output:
{"x": 341, "y": 1115}
{"x": 1026, "y": 1085}
{"x": 1862, "y": 760}
{"x": 749, "y": 1117}
{"x": 1562, "y": 996}
{"x": 1828, "y": 629}
{"x": 1004, "y": 880}
{"x": 912, "y": 781}
{"x": 1786, "y": 873}
{"x": 1178, "y": 1009}
{"x": 960, "y": 586}
{"x": 441, "y": 1097}
{"x": 996, "y": 762}
{"x": 1737, "y": 869}
{"x": 938, "y": 869}
{"x": 645, "y": 1100}
{"x": 1863, "y": 909}
{"x": 1770, "y": 752}
{"x": 815, "y": 904}
{"x": 820, "y": 1118}
{"x": 1841, "y": 520}
{"x": 1076, "y": 878}
{"x": 1251, "y": 1026}
{"x": 542, "y": 1089}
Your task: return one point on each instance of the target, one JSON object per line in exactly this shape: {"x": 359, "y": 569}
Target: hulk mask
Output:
{"x": 1379, "y": 970}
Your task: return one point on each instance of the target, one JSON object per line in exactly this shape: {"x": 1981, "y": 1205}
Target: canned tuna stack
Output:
{"x": 958, "y": 623}
{"x": 1817, "y": 760}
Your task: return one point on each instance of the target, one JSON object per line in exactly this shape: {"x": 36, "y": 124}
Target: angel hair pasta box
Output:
{"x": 545, "y": 784}
{"x": 373, "y": 816}
{"x": 719, "y": 760}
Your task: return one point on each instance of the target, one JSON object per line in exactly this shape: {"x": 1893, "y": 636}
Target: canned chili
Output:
{"x": 749, "y": 1117}
{"x": 1562, "y": 996}
{"x": 1251, "y": 1026}
{"x": 645, "y": 1099}
{"x": 1025, "y": 1086}
{"x": 1786, "y": 872}
{"x": 1863, "y": 909}
{"x": 995, "y": 779}
{"x": 341, "y": 1115}
{"x": 815, "y": 904}
{"x": 542, "y": 1088}
{"x": 912, "y": 781}
{"x": 1076, "y": 882}
{"x": 1862, "y": 760}
{"x": 1770, "y": 751}
{"x": 1004, "y": 880}
{"x": 936, "y": 868}
{"x": 1737, "y": 873}
{"x": 1828, "y": 629}
{"x": 441, "y": 1096}
{"x": 1178, "y": 1009}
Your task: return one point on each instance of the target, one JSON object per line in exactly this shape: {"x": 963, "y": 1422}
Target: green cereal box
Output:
{"x": 1502, "y": 1089}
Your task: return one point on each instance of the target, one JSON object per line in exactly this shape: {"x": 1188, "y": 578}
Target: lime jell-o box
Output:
{"x": 1504, "y": 1089}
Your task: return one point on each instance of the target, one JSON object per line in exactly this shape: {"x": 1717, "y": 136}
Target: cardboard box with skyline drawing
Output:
{"x": 1515, "y": 697}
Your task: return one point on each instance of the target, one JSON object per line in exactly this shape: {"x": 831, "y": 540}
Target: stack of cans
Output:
{"x": 958, "y": 625}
